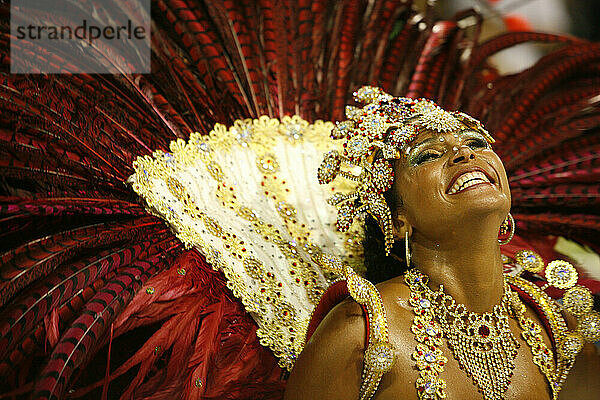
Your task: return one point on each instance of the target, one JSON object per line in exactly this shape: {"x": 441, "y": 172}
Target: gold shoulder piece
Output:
{"x": 379, "y": 354}
{"x": 558, "y": 327}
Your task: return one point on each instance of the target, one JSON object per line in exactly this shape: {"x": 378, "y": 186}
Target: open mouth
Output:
{"x": 467, "y": 180}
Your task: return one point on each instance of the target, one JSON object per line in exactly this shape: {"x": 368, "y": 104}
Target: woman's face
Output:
{"x": 445, "y": 179}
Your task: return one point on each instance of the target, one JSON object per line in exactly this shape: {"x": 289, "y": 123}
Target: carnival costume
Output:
{"x": 254, "y": 179}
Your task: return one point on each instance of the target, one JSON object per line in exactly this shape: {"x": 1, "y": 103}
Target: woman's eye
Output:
{"x": 477, "y": 143}
{"x": 426, "y": 155}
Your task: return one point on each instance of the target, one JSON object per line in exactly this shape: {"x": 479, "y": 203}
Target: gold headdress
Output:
{"x": 374, "y": 134}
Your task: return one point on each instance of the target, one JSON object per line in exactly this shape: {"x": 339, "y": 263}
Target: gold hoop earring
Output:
{"x": 507, "y": 228}
{"x": 406, "y": 249}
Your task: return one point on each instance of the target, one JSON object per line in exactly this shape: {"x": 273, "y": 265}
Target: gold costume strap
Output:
{"x": 379, "y": 354}
{"x": 558, "y": 328}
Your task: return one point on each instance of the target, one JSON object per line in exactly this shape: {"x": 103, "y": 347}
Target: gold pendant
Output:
{"x": 485, "y": 349}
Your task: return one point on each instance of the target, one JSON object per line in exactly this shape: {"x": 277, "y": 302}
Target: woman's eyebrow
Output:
{"x": 424, "y": 143}
{"x": 469, "y": 132}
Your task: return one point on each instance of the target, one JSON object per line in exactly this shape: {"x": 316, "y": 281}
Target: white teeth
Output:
{"x": 468, "y": 179}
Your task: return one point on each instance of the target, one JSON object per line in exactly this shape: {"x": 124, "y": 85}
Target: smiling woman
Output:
{"x": 445, "y": 196}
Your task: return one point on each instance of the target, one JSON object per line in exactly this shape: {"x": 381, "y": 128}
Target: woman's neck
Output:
{"x": 470, "y": 269}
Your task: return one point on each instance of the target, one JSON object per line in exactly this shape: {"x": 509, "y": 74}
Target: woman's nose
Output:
{"x": 462, "y": 154}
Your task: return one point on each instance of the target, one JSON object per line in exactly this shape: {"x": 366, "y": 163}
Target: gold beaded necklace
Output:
{"x": 483, "y": 344}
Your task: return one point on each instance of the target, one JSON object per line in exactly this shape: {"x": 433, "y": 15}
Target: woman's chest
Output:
{"x": 481, "y": 371}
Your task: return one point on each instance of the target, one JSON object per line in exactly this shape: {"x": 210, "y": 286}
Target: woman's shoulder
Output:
{"x": 348, "y": 316}
{"x": 330, "y": 365}
{"x": 395, "y": 295}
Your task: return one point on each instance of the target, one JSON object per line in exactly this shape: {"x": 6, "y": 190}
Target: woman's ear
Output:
{"x": 400, "y": 226}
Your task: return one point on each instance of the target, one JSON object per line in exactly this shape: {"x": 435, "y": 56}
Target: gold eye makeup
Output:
{"x": 435, "y": 147}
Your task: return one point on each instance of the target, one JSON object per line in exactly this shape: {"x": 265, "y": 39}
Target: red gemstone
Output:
{"x": 484, "y": 331}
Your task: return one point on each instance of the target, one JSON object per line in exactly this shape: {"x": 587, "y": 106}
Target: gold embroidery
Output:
{"x": 246, "y": 252}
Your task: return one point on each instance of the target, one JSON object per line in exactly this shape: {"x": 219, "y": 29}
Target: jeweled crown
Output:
{"x": 374, "y": 134}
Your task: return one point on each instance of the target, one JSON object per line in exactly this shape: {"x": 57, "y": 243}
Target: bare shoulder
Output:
{"x": 395, "y": 295}
{"x": 330, "y": 365}
{"x": 582, "y": 382}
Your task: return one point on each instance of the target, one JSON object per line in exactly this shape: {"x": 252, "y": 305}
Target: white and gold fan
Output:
{"x": 248, "y": 198}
